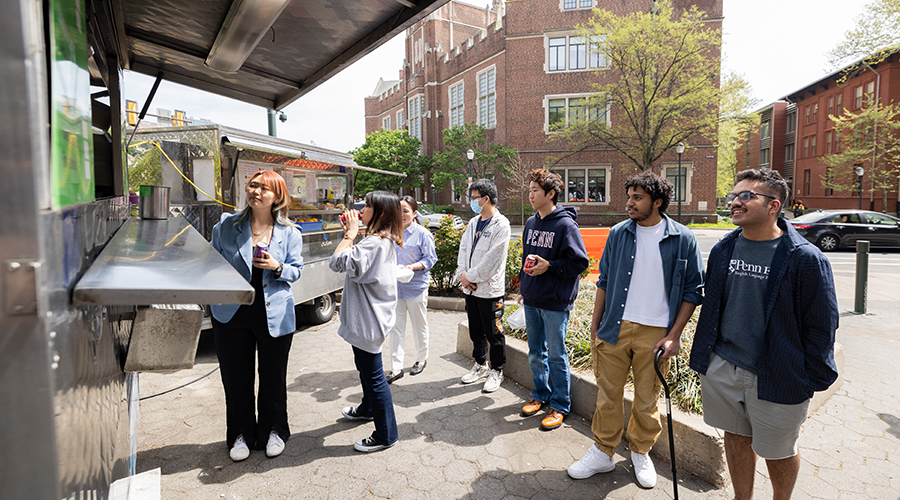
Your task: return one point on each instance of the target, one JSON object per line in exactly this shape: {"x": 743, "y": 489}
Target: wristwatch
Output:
{"x": 279, "y": 268}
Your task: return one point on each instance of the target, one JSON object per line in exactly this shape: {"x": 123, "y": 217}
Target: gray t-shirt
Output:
{"x": 741, "y": 332}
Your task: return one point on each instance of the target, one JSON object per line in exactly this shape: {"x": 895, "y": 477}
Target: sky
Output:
{"x": 778, "y": 45}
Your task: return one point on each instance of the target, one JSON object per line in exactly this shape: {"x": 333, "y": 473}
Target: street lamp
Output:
{"x": 432, "y": 199}
{"x": 471, "y": 156}
{"x": 859, "y": 177}
{"x": 679, "y": 149}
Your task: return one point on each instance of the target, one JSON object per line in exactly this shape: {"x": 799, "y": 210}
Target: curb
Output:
{"x": 699, "y": 448}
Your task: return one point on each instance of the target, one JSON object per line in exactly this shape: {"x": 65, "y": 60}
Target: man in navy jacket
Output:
{"x": 765, "y": 338}
{"x": 552, "y": 242}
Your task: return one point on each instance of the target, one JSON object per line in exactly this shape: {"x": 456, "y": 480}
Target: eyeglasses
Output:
{"x": 744, "y": 196}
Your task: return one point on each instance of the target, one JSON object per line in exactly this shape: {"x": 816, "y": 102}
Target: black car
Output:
{"x": 835, "y": 229}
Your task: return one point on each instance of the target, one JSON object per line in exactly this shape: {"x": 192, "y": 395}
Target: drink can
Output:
{"x": 530, "y": 261}
{"x": 258, "y": 250}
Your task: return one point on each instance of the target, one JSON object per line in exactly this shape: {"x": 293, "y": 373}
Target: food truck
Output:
{"x": 196, "y": 162}
{"x": 82, "y": 280}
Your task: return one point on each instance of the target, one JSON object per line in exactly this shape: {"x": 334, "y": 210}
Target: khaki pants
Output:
{"x": 634, "y": 349}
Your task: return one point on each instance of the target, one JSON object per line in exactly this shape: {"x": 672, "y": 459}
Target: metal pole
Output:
{"x": 271, "y": 116}
{"x": 432, "y": 199}
{"x": 860, "y": 191}
{"x": 678, "y": 188}
{"x": 862, "y": 277}
{"x": 470, "y": 172}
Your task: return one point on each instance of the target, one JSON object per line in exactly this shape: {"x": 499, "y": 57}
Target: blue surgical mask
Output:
{"x": 473, "y": 204}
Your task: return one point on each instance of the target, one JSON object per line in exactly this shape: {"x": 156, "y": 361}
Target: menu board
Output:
{"x": 246, "y": 171}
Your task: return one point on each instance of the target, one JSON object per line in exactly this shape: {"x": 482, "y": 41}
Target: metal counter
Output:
{"x": 161, "y": 262}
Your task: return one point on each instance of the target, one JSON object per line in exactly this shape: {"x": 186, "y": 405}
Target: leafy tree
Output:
{"x": 446, "y": 246}
{"x": 875, "y": 36}
{"x": 869, "y": 138}
{"x": 660, "y": 88}
{"x": 736, "y": 121}
{"x": 492, "y": 160}
{"x": 394, "y": 151}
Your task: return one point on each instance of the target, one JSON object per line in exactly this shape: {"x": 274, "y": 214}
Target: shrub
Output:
{"x": 513, "y": 265}
{"x": 445, "y": 209}
{"x": 446, "y": 246}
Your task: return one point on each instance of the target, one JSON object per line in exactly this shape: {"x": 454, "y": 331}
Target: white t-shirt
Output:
{"x": 646, "y": 302}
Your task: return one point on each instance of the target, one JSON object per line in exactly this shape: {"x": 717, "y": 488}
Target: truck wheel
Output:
{"x": 321, "y": 311}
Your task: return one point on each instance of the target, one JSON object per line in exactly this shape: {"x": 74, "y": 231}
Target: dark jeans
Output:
{"x": 486, "y": 329}
{"x": 237, "y": 348}
{"x": 377, "y": 401}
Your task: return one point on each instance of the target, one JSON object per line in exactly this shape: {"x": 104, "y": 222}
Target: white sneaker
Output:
{"x": 477, "y": 372}
{"x": 494, "y": 378}
{"x": 643, "y": 469}
{"x": 239, "y": 451}
{"x": 275, "y": 445}
{"x": 593, "y": 462}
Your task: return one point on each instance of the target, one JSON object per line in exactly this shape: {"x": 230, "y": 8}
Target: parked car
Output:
{"x": 835, "y": 229}
{"x": 432, "y": 220}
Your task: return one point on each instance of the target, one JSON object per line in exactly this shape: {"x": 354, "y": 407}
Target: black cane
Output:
{"x": 662, "y": 379}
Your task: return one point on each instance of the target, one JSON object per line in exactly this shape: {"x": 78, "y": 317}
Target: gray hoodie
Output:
{"x": 369, "y": 299}
{"x": 486, "y": 266}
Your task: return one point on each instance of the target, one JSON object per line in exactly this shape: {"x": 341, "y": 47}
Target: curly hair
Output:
{"x": 547, "y": 180}
{"x": 772, "y": 180}
{"x": 657, "y": 187}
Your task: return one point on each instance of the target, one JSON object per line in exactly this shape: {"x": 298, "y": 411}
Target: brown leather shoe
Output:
{"x": 531, "y": 407}
{"x": 553, "y": 420}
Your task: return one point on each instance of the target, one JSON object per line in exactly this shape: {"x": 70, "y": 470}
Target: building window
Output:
{"x": 487, "y": 97}
{"x": 386, "y": 122}
{"x": 400, "y": 119}
{"x": 763, "y": 157}
{"x": 807, "y": 115}
{"x": 596, "y": 56}
{"x": 839, "y": 105}
{"x": 791, "y": 119}
{"x": 577, "y": 52}
{"x": 870, "y": 92}
{"x": 858, "y": 102}
{"x": 815, "y": 112}
{"x": 557, "y": 54}
{"x": 416, "y": 110}
{"x": 789, "y": 152}
{"x": 764, "y": 130}
{"x": 565, "y": 111}
{"x": 574, "y": 53}
{"x": 837, "y": 141}
{"x": 828, "y": 142}
{"x": 812, "y": 146}
{"x": 457, "y": 196}
{"x": 830, "y": 105}
{"x": 830, "y": 190}
{"x": 806, "y": 182}
{"x": 806, "y": 147}
{"x": 583, "y": 184}
{"x": 682, "y": 183}
{"x": 577, "y": 4}
{"x": 456, "y": 105}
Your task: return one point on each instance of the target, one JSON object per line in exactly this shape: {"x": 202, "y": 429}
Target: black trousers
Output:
{"x": 486, "y": 330}
{"x": 237, "y": 348}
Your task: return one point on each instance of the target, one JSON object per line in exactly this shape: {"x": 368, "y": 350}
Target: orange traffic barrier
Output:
{"x": 594, "y": 242}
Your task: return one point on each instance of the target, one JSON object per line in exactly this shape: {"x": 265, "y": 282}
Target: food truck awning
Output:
{"x": 281, "y": 49}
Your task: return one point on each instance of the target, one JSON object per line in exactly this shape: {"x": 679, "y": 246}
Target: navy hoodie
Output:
{"x": 555, "y": 238}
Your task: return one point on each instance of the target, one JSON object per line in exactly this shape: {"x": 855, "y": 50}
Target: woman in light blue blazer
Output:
{"x": 265, "y": 327}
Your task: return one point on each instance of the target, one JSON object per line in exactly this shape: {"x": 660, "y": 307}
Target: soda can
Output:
{"x": 530, "y": 261}
{"x": 258, "y": 250}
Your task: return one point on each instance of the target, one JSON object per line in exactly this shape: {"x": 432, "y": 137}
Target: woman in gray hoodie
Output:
{"x": 368, "y": 305}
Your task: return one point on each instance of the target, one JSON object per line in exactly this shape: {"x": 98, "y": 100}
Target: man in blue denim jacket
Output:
{"x": 651, "y": 278}
{"x": 765, "y": 338}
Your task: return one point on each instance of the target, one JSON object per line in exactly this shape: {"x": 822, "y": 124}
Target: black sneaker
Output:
{"x": 392, "y": 376}
{"x": 369, "y": 445}
{"x": 418, "y": 367}
{"x": 352, "y": 413}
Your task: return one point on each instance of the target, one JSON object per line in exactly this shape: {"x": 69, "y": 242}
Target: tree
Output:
{"x": 660, "y": 88}
{"x": 492, "y": 160}
{"x": 394, "y": 151}
{"x": 876, "y": 35}
{"x": 869, "y": 138}
{"x": 736, "y": 121}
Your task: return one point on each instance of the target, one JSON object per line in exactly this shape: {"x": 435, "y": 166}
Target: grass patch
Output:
{"x": 725, "y": 224}
{"x": 684, "y": 382}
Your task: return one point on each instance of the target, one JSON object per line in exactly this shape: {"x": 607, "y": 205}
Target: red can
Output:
{"x": 530, "y": 261}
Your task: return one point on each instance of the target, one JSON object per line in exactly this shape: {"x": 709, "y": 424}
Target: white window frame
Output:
{"x": 579, "y": 5}
{"x": 458, "y": 112}
{"x": 400, "y": 119}
{"x": 416, "y": 123}
{"x": 386, "y": 122}
{"x": 487, "y": 108}
{"x": 585, "y": 169}
{"x": 567, "y": 97}
{"x": 454, "y": 196}
{"x": 688, "y": 168}
{"x": 570, "y": 37}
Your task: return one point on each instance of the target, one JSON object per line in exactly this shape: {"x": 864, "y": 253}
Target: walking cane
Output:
{"x": 662, "y": 379}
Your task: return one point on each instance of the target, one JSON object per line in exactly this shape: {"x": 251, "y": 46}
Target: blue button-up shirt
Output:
{"x": 418, "y": 246}
{"x": 682, "y": 270}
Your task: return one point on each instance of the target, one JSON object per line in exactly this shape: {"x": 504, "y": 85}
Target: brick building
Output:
{"x": 516, "y": 67}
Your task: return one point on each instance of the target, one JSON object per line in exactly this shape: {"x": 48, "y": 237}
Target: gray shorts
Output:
{"x": 730, "y": 403}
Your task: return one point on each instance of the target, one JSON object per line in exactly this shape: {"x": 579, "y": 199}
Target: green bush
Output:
{"x": 446, "y": 246}
{"x": 445, "y": 209}
{"x": 513, "y": 265}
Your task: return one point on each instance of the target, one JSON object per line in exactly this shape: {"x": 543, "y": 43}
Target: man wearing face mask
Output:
{"x": 481, "y": 270}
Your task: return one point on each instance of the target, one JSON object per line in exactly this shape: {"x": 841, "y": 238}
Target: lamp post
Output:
{"x": 471, "y": 156}
{"x": 432, "y": 199}
{"x": 859, "y": 177}
{"x": 679, "y": 149}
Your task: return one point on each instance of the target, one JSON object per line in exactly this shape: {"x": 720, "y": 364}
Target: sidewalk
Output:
{"x": 457, "y": 443}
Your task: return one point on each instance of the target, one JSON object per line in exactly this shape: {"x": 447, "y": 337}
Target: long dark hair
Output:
{"x": 413, "y": 204}
{"x": 385, "y": 221}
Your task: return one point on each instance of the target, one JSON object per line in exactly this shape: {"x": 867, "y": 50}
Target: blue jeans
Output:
{"x": 547, "y": 356}
{"x": 377, "y": 401}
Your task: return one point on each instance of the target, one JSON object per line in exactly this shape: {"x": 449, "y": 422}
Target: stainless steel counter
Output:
{"x": 161, "y": 262}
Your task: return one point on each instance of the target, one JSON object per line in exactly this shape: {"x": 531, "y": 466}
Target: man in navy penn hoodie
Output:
{"x": 548, "y": 288}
